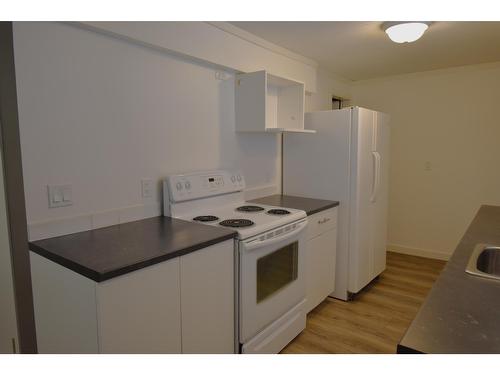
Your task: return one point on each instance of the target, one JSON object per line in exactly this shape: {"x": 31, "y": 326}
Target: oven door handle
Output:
{"x": 260, "y": 243}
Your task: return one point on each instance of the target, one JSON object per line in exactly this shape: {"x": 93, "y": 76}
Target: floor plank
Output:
{"x": 379, "y": 315}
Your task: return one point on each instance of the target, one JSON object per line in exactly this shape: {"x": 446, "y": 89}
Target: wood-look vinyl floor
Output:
{"x": 376, "y": 320}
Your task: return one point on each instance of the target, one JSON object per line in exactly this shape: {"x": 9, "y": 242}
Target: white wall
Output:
{"x": 220, "y": 43}
{"x": 451, "y": 119}
{"x": 101, "y": 113}
{"x": 327, "y": 85}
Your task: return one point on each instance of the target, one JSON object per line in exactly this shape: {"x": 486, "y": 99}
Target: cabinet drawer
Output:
{"x": 321, "y": 222}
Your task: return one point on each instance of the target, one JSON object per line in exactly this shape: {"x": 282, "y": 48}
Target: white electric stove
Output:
{"x": 269, "y": 252}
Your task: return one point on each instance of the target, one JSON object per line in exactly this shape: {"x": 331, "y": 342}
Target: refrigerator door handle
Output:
{"x": 376, "y": 177}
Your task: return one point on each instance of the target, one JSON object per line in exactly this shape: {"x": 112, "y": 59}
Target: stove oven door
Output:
{"x": 272, "y": 279}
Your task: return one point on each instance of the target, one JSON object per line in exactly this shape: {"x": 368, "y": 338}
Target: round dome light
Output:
{"x": 405, "y": 32}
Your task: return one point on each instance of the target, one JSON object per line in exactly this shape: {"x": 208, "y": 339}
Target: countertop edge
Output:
{"x": 66, "y": 263}
{"x": 331, "y": 205}
{"x": 107, "y": 275}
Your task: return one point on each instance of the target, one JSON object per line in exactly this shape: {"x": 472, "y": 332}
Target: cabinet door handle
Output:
{"x": 326, "y": 219}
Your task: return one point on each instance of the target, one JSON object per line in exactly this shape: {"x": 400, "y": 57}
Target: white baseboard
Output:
{"x": 433, "y": 254}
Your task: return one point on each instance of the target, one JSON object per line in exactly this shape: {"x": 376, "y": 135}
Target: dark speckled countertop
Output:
{"x": 309, "y": 205}
{"x": 462, "y": 312}
{"x": 104, "y": 253}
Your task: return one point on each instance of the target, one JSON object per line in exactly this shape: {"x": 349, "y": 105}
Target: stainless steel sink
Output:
{"x": 485, "y": 262}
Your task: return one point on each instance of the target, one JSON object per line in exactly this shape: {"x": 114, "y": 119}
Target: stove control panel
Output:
{"x": 213, "y": 182}
{"x": 178, "y": 188}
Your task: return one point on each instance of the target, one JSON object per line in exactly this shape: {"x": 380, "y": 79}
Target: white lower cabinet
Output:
{"x": 320, "y": 259}
{"x": 182, "y": 305}
{"x": 207, "y": 301}
{"x": 140, "y": 312}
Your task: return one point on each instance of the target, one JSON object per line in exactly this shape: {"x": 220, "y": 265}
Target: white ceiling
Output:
{"x": 361, "y": 50}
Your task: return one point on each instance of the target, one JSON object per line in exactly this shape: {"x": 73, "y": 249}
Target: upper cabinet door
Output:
{"x": 250, "y": 101}
{"x": 268, "y": 103}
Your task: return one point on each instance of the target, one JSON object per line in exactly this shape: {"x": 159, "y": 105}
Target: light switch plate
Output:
{"x": 60, "y": 195}
{"x": 222, "y": 75}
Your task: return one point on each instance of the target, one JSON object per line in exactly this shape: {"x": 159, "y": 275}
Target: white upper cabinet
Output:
{"x": 268, "y": 103}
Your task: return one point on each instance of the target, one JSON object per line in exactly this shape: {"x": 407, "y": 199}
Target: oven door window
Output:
{"x": 276, "y": 270}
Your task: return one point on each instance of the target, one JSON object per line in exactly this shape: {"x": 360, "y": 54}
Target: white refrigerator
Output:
{"x": 346, "y": 160}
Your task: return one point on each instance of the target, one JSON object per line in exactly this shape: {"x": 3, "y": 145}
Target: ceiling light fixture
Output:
{"x": 405, "y": 32}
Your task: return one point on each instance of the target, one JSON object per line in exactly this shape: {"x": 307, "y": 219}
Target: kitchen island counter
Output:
{"x": 462, "y": 312}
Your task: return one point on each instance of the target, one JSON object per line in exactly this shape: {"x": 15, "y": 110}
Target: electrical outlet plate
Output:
{"x": 60, "y": 195}
{"x": 147, "y": 188}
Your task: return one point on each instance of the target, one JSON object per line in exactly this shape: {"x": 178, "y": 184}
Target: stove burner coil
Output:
{"x": 206, "y": 218}
{"x": 237, "y": 223}
{"x": 249, "y": 209}
{"x": 278, "y": 211}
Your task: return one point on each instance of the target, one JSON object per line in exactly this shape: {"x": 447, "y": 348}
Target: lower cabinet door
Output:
{"x": 140, "y": 312}
{"x": 207, "y": 300}
{"x": 320, "y": 278}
